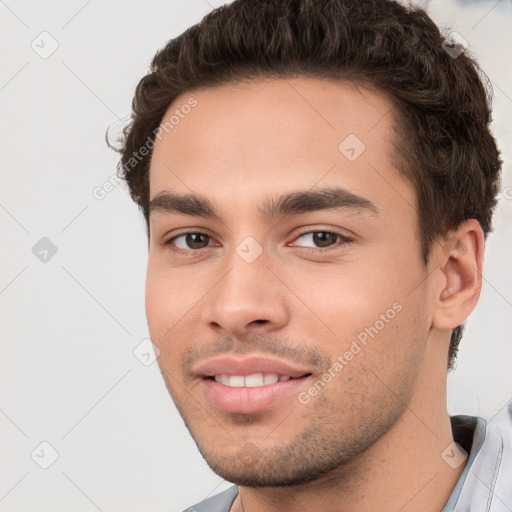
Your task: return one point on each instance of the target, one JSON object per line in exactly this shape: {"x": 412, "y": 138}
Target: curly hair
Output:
{"x": 441, "y": 99}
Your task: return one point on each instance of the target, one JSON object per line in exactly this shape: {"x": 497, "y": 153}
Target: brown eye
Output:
{"x": 190, "y": 241}
{"x": 322, "y": 239}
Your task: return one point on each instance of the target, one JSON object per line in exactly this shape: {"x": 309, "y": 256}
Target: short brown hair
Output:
{"x": 441, "y": 98}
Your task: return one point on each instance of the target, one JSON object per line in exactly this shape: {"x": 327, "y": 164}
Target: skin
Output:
{"x": 372, "y": 439}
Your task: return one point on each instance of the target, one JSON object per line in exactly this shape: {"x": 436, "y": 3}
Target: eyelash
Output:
{"x": 197, "y": 252}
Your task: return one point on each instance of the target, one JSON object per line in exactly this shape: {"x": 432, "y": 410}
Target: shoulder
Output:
{"x": 487, "y": 481}
{"x": 498, "y": 446}
{"x": 219, "y": 503}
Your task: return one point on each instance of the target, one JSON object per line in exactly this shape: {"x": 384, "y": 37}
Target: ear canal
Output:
{"x": 446, "y": 293}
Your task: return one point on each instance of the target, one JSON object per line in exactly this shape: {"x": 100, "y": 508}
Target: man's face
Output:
{"x": 346, "y": 315}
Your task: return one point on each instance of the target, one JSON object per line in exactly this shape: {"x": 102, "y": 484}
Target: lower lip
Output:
{"x": 246, "y": 399}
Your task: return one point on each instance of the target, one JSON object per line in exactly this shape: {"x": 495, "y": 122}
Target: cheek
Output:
{"x": 364, "y": 311}
{"x": 342, "y": 299}
{"x": 174, "y": 299}
{"x": 170, "y": 292}
{"x": 155, "y": 300}
{"x": 166, "y": 303}
{"x": 163, "y": 314}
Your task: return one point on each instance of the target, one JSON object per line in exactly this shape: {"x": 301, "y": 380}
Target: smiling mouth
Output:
{"x": 253, "y": 380}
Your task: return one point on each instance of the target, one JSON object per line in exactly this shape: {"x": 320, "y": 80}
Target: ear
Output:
{"x": 460, "y": 258}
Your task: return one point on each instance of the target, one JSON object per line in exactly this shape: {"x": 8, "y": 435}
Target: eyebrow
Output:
{"x": 292, "y": 203}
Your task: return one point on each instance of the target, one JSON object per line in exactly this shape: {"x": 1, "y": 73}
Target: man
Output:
{"x": 318, "y": 180}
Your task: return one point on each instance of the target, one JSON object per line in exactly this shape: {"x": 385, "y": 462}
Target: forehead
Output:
{"x": 243, "y": 143}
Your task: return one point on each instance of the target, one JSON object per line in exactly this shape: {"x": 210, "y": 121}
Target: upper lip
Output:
{"x": 231, "y": 365}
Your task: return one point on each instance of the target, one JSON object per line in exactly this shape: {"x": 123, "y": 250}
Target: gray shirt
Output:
{"x": 485, "y": 484}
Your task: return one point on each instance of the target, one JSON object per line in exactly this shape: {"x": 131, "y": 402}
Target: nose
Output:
{"x": 249, "y": 298}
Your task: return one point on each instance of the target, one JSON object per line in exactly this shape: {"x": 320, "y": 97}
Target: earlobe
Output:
{"x": 461, "y": 263}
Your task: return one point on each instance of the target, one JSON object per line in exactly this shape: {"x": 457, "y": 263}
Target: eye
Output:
{"x": 192, "y": 242}
{"x": 323, "y": 239}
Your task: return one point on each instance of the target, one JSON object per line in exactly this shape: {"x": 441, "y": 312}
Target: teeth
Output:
{"x": 270, "y": 378}
{"x": 251, "y": 381}
{"x": 236, "y": 381}
{"x": 254, "y": 380}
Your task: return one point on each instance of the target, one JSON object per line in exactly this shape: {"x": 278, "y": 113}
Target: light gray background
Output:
{"x": 69, "y": 326}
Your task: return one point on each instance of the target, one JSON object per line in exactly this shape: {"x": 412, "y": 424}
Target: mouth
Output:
{"x": 254, "y": 392}
{"x": 253, "y": 380}
{"x": 251, "y": 383}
